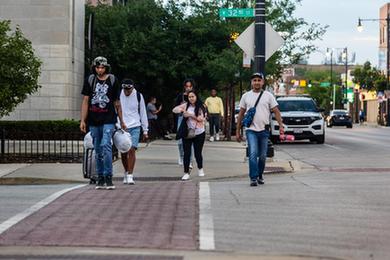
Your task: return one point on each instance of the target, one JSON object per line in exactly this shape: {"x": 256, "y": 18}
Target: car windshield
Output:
{"x": 339, "y": 113}
{"x": 297, "y": 105}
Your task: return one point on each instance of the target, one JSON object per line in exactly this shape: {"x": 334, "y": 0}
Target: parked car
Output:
{"x": 339, "y": 117}
{"x": 301, "y": 118}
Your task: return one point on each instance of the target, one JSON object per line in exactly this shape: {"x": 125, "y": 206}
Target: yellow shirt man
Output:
{"x": 214, "y": 105}
{"x": 215, "y": 110}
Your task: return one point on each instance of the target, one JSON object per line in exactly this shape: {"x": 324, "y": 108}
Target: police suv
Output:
{"x": 301, "y": 118}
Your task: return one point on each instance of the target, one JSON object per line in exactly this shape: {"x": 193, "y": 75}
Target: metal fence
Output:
{"x": 23, "y": 146}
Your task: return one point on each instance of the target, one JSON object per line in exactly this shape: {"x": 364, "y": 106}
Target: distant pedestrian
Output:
{"x": 258, "y": 132}
{"x": 155, "y": 128}
{"x": 134, "y": 116}
{"x": 99, "y": 111}
{"x": 214, "y": 106}
{"x": 188, "y": 85}
{"x": 194, "y": 113}
{"x": 361, "y": 116}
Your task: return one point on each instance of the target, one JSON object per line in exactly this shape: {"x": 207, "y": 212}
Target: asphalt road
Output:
{"x": 359, "y": 147}
{"x": 338, "y": 208}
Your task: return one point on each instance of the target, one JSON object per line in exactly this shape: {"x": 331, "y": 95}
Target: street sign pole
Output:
{"x": 259, "y": 36}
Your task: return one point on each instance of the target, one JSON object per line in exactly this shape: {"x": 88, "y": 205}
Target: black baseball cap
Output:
{"x": 257, "y": 75}
{"x": 127, "y": 84}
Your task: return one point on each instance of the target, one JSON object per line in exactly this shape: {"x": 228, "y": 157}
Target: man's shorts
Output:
{"x": 135, "y": 134}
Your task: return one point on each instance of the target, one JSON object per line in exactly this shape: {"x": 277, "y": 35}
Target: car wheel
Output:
{"x": 349, "y": 126}
{"x": 320, "y": 139}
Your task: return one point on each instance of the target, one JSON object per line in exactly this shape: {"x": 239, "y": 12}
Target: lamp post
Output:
{"x": 329, "y": 52}
{"x": 360, "y": 29}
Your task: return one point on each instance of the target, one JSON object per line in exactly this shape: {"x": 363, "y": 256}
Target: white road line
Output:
{"x": 22, "y": 215}
{"x": 334, "y": 147}
{"x": 206, "y": 224}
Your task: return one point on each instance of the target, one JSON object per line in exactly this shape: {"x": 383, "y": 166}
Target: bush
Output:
{"x": 49, "y": 129}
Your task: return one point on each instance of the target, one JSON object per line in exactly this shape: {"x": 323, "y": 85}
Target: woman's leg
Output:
{"x": 198, "y": 148}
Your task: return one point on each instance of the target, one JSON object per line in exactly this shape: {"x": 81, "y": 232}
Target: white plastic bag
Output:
{"x": 88, "y": 141}
{"x": 122, "y": 140}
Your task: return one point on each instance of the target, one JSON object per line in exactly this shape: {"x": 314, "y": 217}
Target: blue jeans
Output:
{"x": 257, "y": 145}
{"x": 102, "y": 136}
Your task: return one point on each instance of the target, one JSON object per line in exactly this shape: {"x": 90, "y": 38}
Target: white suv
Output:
{"x": 301, "y": 118}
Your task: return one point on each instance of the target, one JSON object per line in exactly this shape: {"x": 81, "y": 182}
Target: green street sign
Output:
{"x": 236, "y": 12}
{"x": 325, "y": 84}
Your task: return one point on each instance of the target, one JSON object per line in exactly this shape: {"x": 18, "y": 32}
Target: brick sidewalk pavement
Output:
{"x": 158, "y": 215}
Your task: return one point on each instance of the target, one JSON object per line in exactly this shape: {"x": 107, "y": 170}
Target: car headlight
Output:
{"x": 314, "y": 118}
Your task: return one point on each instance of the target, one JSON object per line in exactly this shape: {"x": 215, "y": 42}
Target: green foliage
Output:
{"x": 19, "y": 68}
{"x": 322, "y": 95}
{"x": 158, "y": 45}
{"x": 369, "y": 77}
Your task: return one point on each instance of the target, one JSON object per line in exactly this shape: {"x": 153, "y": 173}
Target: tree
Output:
{"x": 159, "y": 43}
{"x": 369, "y": 77}
{"x": 19, "y": 68}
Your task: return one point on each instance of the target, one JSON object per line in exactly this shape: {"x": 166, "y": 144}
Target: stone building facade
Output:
{"x": 56, "y": 30}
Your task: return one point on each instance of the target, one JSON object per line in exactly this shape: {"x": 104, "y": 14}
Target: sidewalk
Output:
{"x": 155, "y": 161}
{"x": 158, "y": 218}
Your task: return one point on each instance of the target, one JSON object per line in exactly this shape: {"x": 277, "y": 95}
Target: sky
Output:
{"x": 342, "y": 18}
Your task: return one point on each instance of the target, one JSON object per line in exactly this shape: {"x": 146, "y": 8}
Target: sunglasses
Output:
{"x": 127, "y": 86}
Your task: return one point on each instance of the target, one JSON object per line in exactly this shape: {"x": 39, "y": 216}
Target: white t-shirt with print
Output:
{"x": 263, "y": 109}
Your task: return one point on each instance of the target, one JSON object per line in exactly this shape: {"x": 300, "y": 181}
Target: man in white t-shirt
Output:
{"x": 257, "y": 133}
{"x": 135, "y": 119}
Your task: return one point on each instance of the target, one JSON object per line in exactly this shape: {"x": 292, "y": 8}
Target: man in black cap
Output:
{"x": 257, "y": 133}
{"x": 99, "y": 110}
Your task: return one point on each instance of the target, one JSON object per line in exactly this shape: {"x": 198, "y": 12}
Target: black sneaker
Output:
{"x": 260, "y": 181}
{"x": 100, "y": 183}
{"x": 253, "y": 183}
{"x": 109, "y": 184}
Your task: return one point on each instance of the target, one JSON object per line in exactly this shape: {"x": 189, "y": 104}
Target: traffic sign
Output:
{"x": 325, "y": 84}
{"x": 236, "y": 12}
{"x": 246, "y": 41}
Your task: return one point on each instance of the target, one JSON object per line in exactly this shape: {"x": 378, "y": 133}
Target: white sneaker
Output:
{"x": 211, "y": 139}
{"x": 125, "y": 178}
{"x": 185, "y": 177}
{"x": 200, "y": 172}
{"x": 180, "y": 161}
{"x": 191, "y": 166}
{"x": 217, "y": 137}
{"x": 130, "y": 179}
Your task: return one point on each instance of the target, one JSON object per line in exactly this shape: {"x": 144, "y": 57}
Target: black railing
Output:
{"x": 24, "y": 146}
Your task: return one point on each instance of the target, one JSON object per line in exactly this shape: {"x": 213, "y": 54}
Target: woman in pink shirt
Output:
{"x": 194, "y": 113}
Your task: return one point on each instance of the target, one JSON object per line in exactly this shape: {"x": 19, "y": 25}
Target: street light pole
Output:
{"x": 260, "y": 36}
{"x": 330, "y": 52}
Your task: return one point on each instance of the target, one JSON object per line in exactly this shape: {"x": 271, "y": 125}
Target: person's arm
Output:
{"x": 221, "y": 107}
{"x": 156, "y": 111}
{"x": 118, "y": 108}
{"x": 278, "y": 117}
{"x": 199, "y": 118}
{"x": 84, "y": 114}
{"x": 144, "y": 118}
{"x": 238, "y": 128}
{"x": 179, "y": 109}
